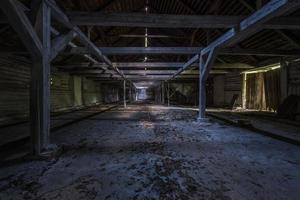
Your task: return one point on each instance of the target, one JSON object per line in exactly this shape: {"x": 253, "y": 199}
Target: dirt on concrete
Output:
{"x": 157, "y": 152}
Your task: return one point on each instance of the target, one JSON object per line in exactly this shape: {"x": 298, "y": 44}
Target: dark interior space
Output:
{"x": 149, "y": 99}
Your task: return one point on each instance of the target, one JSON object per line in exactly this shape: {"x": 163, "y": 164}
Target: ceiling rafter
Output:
{"x": 282, "y": 33}
{"x": 107, "y": 4}
{"x": 192, "y": 11}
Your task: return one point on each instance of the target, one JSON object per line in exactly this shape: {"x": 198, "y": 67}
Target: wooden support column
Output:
{"x": 130, "y": 94}
{"x": 38, "y": 42}
{"x": 60, "y": 43}
{"x": 283, "y": 80}
{"x": 22, "y": 25}
{"x": 202, "y": 91}
{"x": 247, "y": 27}
{"x": 163, "y": 92}
{"x": 124, "y": 93}
{"x": 244, "y": 91}
{"x": 136, "y": 94}
{"x": 205, "y": 62}
{"x": 40, "y": 84}
{"x": 168, "y": 94}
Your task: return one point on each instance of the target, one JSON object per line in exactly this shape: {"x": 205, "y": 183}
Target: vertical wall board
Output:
{"x": 91, "y": 92}
{"x": 77, "y": 91}
{"x": 158, "y": 94}
{"x": 283, "y": 81}
{"x": 219, "y": 91}
{"x": 294, "y": 81}
{"x": 184, "y": 93}
{"x": 294, "y": 78}
{"x": 61, "y": 91}
{"x": 255, "y": 91}
{"x": 233, "y": 85}
{"x": 111, "y": 93}
{"x": 272, "y": 86}
{"x": 66, "y": 92}
{"x": 14, "y": 90}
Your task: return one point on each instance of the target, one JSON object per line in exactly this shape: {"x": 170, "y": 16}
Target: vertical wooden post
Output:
{"x": 205, "y": 63}
{"x": 124, "y": 93}
{"x": 202, "y": 90}
{"x": 163, "y": 93}
{"x": 244, "y": 91}
{"x": 136, "y": 94}
{"x": 130, "y": 94}
{"x": 283, "y": 80}
{"x": 168, "y": 93}
{"x": 40, "y": 85}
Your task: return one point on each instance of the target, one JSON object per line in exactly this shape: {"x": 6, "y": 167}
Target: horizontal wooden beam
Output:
{"x": 128, "y": 72}
{"x": 149, "y": 65}
{"x": 14, "y": 12}
{"x": 60, "y": 42}
{"x": 169, "y": 50}
{"x": 157, "y": 76}
{"x": 142, "y": 72}
{"x": 165, "y": 20}
{"x": 59, "y": 15}
{"x": 172, "y": 21}
{"x": 250, "y": 26}
{"x": 141, "y": 50}
{"x": 253, "y": 23}
{"x": 186, "y": 65}
{"x": 246, "y": 28}
{"x": 184, "y": 50}
{"x": 259, "y": 52}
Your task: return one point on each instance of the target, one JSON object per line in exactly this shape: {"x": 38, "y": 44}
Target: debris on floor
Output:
{"x": 150, "y": 156}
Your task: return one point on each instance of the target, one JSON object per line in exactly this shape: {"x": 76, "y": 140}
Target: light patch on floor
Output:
{"x": 156, "y": 152}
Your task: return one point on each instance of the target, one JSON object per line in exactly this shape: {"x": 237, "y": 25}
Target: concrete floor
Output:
{"x": 156, "y": 152}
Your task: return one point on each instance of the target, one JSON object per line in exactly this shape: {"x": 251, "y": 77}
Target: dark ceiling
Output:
{"x": 131, "y": 36}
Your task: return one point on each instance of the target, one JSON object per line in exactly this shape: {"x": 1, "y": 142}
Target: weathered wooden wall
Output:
{"x": 263, "y": 91}
{"x": 61, "y": 91}
{"x": 14, "y": 87}
{"x": 225, "y": 87}
{"x": 233, "y": 86}
{"x": 113, "y": 92}
{"x": 91, "y": 92}
{"x": 294, "y": 78}
{"x": 255, "y": 94}
{"x": 67, "y": 91}
{"x": 184, "y": 93}
{"x": 219, "y": 90}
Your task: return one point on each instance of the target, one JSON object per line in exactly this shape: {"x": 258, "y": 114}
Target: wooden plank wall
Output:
{"x": 61, "y": 91}
{"x": 232, "y": 86}
{"x": 14, "y": 90}
{"x": 112, "y": 92}
{"x": 91, "y": 92}
{"x": 14, "y": 87}
{"x": 184, "y": 93}
{"x": 294, "y": 78}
